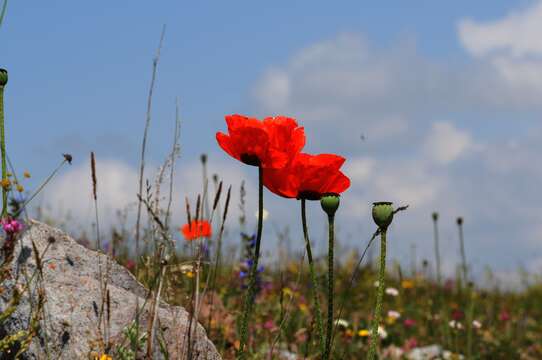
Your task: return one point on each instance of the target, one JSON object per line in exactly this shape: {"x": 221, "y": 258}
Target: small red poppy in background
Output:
{"x": 308, "y": 177}
{"x": 196, "y": 229}
{"x": 270, "y": 143}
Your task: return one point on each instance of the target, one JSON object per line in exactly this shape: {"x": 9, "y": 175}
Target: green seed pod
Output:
{"x": 330, "y": 203}
{"x": 382, "y": 214}
{"x": 3, "y": 77}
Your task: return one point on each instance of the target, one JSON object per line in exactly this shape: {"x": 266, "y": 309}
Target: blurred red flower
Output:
{"x": 504, "y": 316}
{"x": 308, "y": 177}
{"x": 196, "y": 229}
{"x": 409, "y": 323}
{"x": 270, "y": 143}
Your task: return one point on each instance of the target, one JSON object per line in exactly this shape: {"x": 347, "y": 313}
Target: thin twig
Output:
{"x": 144, "y": 143}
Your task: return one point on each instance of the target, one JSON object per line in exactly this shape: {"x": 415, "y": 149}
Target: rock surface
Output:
{"x": 71, "y": 283}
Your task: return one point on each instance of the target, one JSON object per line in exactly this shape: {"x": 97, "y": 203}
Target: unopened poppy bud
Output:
{"x": 3, "y": 77}
{"x": 459, "y": 221}
{"x": 435, "y": 216}
{"x": 330, "y": 204}
{"x": 382, "y": 214}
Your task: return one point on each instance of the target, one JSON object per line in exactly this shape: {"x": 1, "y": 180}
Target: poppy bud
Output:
{"x": 459, "y": 221}
{"x": 382, "y": 214}
{"x": 3, "y": 77}
{"x": 435, "y": 216}
{"x": 330, "y": 204}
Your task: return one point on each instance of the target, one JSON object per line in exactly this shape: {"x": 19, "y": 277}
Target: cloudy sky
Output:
{"x": 436, "y": 105}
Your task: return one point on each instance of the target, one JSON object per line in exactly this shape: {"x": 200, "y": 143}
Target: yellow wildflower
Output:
{"x": 26, "y": 174}
{"x": 20, "y": 188}
{"x": 287, "y": 291}
{"x": 304, "y": 308}
{"x": 407, "y": 284}
{"x": 190, "y": 274}
{"x": 363, "y": 333}
{"x": 5, "y": 183}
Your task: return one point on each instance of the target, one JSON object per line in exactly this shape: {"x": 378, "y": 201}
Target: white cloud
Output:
{"x": 343, "y": 87}
{"x": 71, "y": 192}
{"x": 516, "y": 34}
{"x": 511, "y": 45}
{"x": 445, "y": 143}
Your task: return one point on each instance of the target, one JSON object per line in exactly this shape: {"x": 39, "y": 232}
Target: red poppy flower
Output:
{"x": 196, "y": 229}
{"x": 270, "y": 143}
{"x": 308, "y": 177}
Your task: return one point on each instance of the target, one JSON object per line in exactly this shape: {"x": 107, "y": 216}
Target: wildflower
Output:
{"x": 130, "y": 264}
{"x": 363, "y": 333}
{"x": 196, "y": 229}
{"x": 376, "y": 283}
{"x": 455, "y": 324}
{"x": 26, "y": 175}
{"x": 392, "y": 291}
{"x": 392, "y": 317}
{"x": 270, "y": 143}
{"x": 407, "y": 284}
{"x": 20, "y": 188}
{"x": 458, "y": 315}
{"x": 409, "y": 323}
{"x": 349, "y": 333}
{"x": 410, "y": 343}
{"x": 5, "y": 183}
{"x": 308, "y": 177}
{"x": 11, "y": 226}
{"x": 269, "y": 325}
{"x": 476, "y": 324}
{"x": 394, "y": 314}
{"x": 382, "y": 332}
{"x": 303, "y": 308}
{"x": 504, "y": 316}
{"x": 341, "y": 322}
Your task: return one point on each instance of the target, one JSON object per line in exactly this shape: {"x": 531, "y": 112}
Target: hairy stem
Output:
{"x": 251, "y": 293}
{"x": 315, "y": 286}
{"x": 379, "y": 296}
{"x": 3, "y": 148}
{"x": 331, "y": 243}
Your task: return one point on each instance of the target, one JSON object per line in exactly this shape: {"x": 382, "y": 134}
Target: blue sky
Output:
{"x": 446, "y": 94}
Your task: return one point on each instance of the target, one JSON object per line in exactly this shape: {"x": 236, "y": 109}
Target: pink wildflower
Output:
{"x": 11, "y": 226}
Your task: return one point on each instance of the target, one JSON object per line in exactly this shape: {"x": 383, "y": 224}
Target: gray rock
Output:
{"x": 71, "y": 284}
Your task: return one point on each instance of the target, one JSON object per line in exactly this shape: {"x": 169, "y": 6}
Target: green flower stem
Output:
{"x": 251, "y": 293}
{"x": 315, "y": 287}
{"x": 331, "y": 220}
{"x": 3, "y": 149}
{"x": 470, "y": 318}
{"x": 437, "y": 252}
{"x": 379, "y": 295}
{"x": 464, "y": 267}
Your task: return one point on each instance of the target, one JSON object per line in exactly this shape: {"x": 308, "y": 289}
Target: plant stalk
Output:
{"x": 331, "y": 243}
{"x": 379, "y": 295}
{"x": 251, "y": 293}
{"x": 315, "y": 286}
{"x": 3, "y": 148}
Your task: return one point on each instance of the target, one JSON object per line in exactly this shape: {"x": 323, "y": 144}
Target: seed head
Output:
{"x": 3, "y": 77}
{"x": 383, "y": 214}
{"x": 330, "y": 203}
